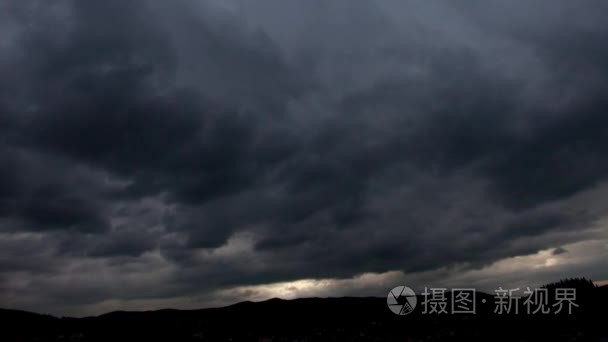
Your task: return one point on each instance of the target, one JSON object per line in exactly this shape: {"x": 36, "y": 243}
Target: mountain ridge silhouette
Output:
{"x": 311, "y": 319}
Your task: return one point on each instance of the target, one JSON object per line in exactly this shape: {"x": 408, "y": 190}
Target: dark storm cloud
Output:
{"x": 560, "y": 250}
{"x": 39, "y": 195}
{"x": 338, "y": 138}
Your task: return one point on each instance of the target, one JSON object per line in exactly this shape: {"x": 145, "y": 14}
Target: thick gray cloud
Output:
{"x": 193, "y": 146}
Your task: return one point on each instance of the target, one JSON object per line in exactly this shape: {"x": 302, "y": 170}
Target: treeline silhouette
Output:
{"x": 325, "y": 319}
{"x": 581, "y": 284}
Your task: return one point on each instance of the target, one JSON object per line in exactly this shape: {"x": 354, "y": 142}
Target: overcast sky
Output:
{"x": 197, "y": 153}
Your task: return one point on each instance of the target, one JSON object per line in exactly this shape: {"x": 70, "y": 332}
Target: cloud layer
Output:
{"x": 162, "y": 152}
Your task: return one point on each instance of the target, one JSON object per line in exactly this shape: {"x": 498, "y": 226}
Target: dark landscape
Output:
{"x": 319, "y": 319}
